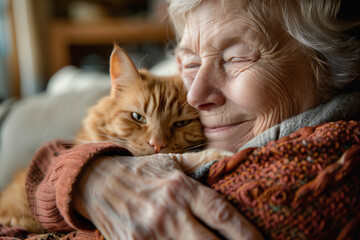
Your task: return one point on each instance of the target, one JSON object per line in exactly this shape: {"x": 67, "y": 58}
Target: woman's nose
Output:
{"x": 205, "y": 91}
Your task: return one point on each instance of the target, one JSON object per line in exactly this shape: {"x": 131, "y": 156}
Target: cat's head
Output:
{"x": 145, "y": 113}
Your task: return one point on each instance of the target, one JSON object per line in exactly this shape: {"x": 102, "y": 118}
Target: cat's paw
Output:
{"x": 14, "y": 207}
{"x": 214, "y": 154}
{"x": 193, "y": 160}
{"x": 19, "y": 218}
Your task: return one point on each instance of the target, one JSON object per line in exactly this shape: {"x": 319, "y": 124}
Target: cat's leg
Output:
{"x": 14, "y": 207}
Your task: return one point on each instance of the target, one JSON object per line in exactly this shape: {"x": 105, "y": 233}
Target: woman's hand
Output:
{"x": 151, "y": 198}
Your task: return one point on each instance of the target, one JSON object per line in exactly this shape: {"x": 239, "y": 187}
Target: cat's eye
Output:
{"x": 180, "y": 124}
{"x": 137, "y": 117}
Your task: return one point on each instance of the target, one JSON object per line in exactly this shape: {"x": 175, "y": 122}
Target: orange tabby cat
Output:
{"x": 146, "y": 114}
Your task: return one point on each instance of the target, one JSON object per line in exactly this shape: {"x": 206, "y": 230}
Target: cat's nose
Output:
{"x": 157, "y": 144}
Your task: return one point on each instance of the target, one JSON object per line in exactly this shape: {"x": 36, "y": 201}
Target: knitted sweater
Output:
{"x": 302, "y": 186}
{"x": 50, "y": 185}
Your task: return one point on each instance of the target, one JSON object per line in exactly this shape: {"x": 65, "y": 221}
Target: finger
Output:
{"x": 168, "y": 215}
{"x": 217, "y": 213}
{"x": 113, "y": 226}
{"x": 178, "y": 222}
{"x": 103, "y": 221}
{"x": 192, "y": 228}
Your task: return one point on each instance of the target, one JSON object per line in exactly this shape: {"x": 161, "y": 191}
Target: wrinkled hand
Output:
{"x": 151, "y": 198}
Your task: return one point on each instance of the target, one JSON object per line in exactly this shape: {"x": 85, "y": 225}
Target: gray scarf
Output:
{"x": 341, "y": 107}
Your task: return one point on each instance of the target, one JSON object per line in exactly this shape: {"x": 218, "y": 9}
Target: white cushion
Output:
{"x": 33, "y": 121}
{"x": 73, "y": 79}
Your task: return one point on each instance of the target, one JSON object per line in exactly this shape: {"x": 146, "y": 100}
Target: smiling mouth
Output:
{"x": 221, "y": 128}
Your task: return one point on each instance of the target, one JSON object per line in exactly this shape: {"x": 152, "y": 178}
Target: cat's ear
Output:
{"x": 122, "y": 70}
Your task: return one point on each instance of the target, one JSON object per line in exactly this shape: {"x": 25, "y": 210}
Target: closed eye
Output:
{"x": 137, "y": 117}
{"x": 238, "y": 59}
{"x": 191, "y": 65}
{"x": 180, "y": 124}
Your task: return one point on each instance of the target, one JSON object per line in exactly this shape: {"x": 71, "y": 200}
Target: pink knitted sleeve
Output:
{"x": 51, "y": 178}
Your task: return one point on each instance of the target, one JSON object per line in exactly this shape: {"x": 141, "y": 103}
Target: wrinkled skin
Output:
{"x": 152, "y": 198}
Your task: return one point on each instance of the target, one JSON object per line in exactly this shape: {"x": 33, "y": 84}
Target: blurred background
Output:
{"x": 40, "y": 37}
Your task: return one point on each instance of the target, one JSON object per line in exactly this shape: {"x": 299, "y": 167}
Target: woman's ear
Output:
{"x": 122, "y": 70}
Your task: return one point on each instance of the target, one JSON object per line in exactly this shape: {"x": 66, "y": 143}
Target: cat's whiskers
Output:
{"x": 183, "y": 104}
{"x": 141, "y": 61}
{"x": 113, "y": 139}
{"x": 185, "y": 107}
{"x": 85, "y": 141}
{"x": 121, "y": 144}
{"x": 196, "y": 146}
{"x": 187, "y": 110}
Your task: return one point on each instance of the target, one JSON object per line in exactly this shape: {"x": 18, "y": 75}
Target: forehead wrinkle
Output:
{"x": 187, "y": 40}
{"x": 252, "y": 34}
{"x": 218, "y": 33}
{"x": 197, "y": 32}
{"x": 215, "y": 46}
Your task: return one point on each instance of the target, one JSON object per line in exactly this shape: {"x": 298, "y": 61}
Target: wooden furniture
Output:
{"x": 65, "y": 33}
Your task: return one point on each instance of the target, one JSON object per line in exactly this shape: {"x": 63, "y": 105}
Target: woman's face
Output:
{"x": 243, "y": 74}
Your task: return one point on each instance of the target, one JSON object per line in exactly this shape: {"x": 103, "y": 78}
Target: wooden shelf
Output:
{"x": 65, "y": 33}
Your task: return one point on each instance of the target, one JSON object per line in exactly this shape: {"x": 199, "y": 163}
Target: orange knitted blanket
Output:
{"x": 303, "y": 186}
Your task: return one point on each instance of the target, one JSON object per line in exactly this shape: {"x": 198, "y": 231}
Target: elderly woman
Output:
{"x": 269, "y": 78}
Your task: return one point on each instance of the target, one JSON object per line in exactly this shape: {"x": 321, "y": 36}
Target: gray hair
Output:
{"x": 334, "y": 55}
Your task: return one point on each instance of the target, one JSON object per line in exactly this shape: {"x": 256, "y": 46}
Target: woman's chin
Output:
{"x": 222, "y": 145}
{"x": 230, "y": 139}
{"x": 229, "y": 144}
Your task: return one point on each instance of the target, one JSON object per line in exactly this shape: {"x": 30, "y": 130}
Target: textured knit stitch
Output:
{"x": 50, "y": 182}
{"x": 304, "y": 186}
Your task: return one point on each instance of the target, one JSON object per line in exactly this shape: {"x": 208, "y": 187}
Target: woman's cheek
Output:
{"x": 256, "y": 99}
{"x": 273, "y": 103}
{"x": 248, "y": 86}
{"x": 249, "y": 92}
